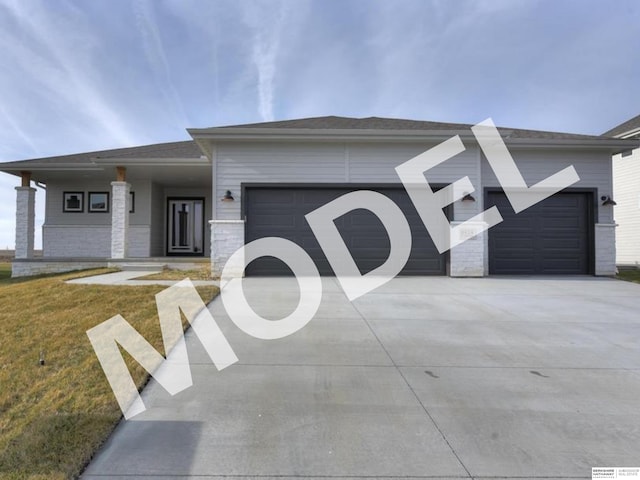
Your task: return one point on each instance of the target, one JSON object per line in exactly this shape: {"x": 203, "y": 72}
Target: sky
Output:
{"x": 89, "y": 75}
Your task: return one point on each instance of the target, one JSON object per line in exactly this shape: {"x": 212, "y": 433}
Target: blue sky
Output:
{"x": 87, "y": 75}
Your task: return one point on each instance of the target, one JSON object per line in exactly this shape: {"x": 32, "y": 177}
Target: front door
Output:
{"x": 185, "y": 223}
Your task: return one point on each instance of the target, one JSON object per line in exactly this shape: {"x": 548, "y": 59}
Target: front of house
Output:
{"x": 231, "y": 185}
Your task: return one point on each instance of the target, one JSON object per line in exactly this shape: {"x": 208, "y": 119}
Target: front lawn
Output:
{"x": 5, "y": 270}
{"x": 631, "y": 275}
{"x": 202, "y": 273}
{"x": 54, "y": 417}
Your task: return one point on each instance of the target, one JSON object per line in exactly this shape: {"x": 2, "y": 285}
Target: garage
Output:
{"x": 551, "y": 237}
{"x": 279, "y": 212}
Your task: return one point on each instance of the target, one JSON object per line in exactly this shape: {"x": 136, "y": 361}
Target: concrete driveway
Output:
{"x": 425, "y": 377}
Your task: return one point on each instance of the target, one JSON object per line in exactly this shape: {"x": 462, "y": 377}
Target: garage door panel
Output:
{"x": 363, "y": 233}
{"x": 281, "y": 197}
{"x": 377, "y": 244}
{"x": 565, "y": 246}
{"x": 560, "y": 223}
{"x": 514, "y": 243}
{"x": 551, "y": 237}
{"x": 275, "y": 220}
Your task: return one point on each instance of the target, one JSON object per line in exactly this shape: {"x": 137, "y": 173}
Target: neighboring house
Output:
{"x": 626, "y": 191}
{"x": 231, "y": 185}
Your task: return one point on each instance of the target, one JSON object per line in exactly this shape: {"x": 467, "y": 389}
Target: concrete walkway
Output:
{"x": 128, "y": 278}
{"x": 423, "y": 378}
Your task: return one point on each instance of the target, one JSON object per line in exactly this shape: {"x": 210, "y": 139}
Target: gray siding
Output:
{"x": 158, "y": 213}
{"x": 56, "y": 216}
{"x": 594, "y": 170}
{"x": 85, "y": 234}
{"x": 328, "y": 163}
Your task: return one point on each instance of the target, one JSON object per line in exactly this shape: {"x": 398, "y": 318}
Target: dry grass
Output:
{"x": 630, "y": 275}
{"x": 54, "y": 417}
{"x": 5, "y": 271}
{"x": 202, "y": 273}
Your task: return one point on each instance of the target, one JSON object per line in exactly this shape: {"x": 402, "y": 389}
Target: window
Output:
{"x": 99, "y": 202}
{"x": 73, "y": 202}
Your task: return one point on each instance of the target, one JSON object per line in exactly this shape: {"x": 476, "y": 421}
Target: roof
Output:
{"x": 628, "y": 129}
{"x": 330, "y": 127}
{"x": 185, "y": 149}
{"x": 382, "y": 123}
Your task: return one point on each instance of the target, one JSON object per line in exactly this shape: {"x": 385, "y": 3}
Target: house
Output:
{"x": 230, "y": 185}
{"x": 626, "y": 191}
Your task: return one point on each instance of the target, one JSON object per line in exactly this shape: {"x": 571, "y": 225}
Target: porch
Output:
{"x": 152, "y": 214}
{"x": 24, "y": 267}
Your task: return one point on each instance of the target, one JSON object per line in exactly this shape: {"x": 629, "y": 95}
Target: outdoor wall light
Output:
{"x": 227, "y": 197}
{"x": 468, "y": 198}
{"x": 607, "y": 200}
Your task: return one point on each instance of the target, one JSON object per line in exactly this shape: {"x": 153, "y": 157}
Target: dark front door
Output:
{"x": 185, "y": 222}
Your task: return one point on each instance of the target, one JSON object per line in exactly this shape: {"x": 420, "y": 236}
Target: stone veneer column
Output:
{"x": 605, "y": 239}
{"x": 468, "y": 258}
{"x": 119, "y": 219}
{"x": 25, "y": 221}
{"x": 226, "y": 237}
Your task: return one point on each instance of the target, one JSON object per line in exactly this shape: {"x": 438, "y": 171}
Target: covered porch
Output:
{"x": 115, "y": 209}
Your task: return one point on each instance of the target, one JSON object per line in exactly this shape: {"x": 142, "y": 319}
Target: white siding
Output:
{"x": 329, "y": 163}
{"x": 626, "y": 193}
{"x": 91, "y": 241}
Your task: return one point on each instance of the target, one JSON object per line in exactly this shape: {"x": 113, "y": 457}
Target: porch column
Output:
{"x": 120, "y": 215}
{"x": 25, "y": 217}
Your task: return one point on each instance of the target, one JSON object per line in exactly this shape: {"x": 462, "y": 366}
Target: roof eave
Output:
{"x": 9, "y": 168}
{"x": 302, "y": 134}
{"x": 172, "y": 162}
{"x": 203, "y": 136}
{"x": 613, "y": 144}
{"x": 99, "y": 164}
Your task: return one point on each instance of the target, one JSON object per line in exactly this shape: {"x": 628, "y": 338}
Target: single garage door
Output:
{"x": 279, "y": 212}
{"x": 551, "y": 237}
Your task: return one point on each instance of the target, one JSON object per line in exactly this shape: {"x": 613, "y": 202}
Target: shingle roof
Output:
{"x": 189, "y": 149}
{"x": 381, "y": 123}
{"x": 626, "y": 127}
{"x": 185, "y": 149}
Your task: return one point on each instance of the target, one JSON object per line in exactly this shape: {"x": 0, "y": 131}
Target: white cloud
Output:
{"x": 147, "y": 25}
{"x": 266, "y": 21}
{"x": 57, "y": 54}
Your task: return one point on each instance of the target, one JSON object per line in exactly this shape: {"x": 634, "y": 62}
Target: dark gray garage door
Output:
{"x": 280, "y": 212}
{"x": 551, "y": 237}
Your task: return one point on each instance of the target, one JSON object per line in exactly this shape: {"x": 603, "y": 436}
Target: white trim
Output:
{"x": 82, "y": 225}
{"x": 347, "y": 163}
{"x": 214, "y": 180}
{"x": 215, "y": 222}
{"x": 176, "y": 161}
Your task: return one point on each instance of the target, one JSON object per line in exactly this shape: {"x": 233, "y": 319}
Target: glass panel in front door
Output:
{"x": 186, "y": 234}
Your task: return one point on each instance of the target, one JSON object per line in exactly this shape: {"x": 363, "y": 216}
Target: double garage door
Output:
{"x": 552, "y": 237}
{"x": 279, "y": 212}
